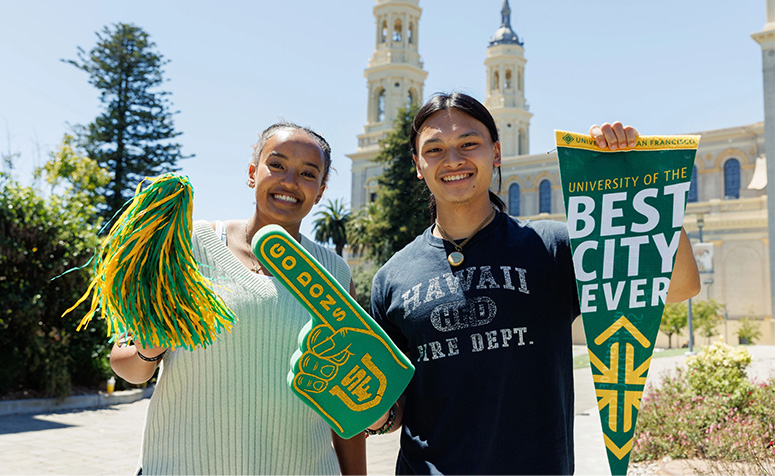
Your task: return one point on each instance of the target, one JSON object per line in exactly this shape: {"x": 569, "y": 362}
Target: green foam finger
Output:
{"x": 348, "y": 370}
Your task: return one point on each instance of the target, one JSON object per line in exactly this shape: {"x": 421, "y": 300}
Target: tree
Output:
{"x": 707, "y": 314}
{"x": 674, "y": 319}
{"x": 331, "y": 224}
{"x": 400, "y": 211}
{"x": 749, "y": 331}
{"x": 362, "y": 276}
{"x": 133, "y": 137}
{"x": 360, "y": 226}
{"x": 82, "y": 176}
{"x": 42, "y": 238}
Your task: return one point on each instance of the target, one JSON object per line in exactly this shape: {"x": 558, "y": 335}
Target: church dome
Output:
{"x": 505, "y": 35}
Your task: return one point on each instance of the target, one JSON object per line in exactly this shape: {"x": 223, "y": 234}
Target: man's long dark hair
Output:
{"x": 468, "y": 105}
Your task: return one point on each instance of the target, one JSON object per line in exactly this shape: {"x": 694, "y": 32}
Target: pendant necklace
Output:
{"x": 456, "y": 257}
{"x": 255, "y": 266}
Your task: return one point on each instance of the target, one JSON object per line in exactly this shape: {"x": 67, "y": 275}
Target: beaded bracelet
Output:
{"x": 151, "y": 359}
{"x": 387, "y": 426}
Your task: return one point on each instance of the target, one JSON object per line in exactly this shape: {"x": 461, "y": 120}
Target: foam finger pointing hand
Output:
{"x": 309, "y": 383}
{"x": 346, "y": 369}
{"x": 313, "y": 365}
{"x": 335, "y": 348}
{"x": 320, "y": 337}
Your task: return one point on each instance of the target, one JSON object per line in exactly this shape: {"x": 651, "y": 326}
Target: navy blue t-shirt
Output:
{"x": 491, "y": 344}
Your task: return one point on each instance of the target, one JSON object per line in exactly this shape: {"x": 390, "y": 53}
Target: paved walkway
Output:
{"x": 107, "y": 440}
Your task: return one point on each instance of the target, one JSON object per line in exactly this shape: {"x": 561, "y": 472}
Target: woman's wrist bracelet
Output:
{"x": 151, "y": 359}
{"x": 388, "y": 424}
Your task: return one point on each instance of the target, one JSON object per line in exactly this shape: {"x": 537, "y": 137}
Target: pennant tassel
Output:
{"x": 146, "y": 280}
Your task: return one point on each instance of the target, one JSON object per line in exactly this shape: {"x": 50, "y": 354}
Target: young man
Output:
{"x": 483, "y": 304}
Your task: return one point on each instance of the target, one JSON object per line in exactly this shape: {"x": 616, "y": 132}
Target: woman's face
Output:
{"x": 288, "y": 178}
{"x": 456, "y": 156}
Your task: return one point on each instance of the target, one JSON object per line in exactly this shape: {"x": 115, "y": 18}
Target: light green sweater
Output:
{"x": 227, "y": 409}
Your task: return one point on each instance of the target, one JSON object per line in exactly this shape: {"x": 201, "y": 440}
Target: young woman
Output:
{"x": 483, "y": 303}
{"x": 227, "y": 409}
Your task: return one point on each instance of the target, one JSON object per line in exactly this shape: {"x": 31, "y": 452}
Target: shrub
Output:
{"x": 41, "y": 351}
{"x": 42, "y": 237}
{"x": 707, "y": 409}
{"x": 749, "y": 331}
{"x": 718, "y": 369}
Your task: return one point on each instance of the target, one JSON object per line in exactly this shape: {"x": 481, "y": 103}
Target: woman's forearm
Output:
{"x": 129, "y": 366}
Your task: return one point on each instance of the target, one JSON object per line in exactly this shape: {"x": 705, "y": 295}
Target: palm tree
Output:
{"x": 330, "y": 224}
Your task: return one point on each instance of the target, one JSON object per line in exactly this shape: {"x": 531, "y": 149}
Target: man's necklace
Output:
{"x": 255, "y": 266}
{"x": 456, "y": 257}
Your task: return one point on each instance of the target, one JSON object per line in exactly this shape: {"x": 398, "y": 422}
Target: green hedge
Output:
{"x": 41, "y": 238}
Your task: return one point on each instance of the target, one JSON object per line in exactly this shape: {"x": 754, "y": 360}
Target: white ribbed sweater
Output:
{"x": 228, "y": 409}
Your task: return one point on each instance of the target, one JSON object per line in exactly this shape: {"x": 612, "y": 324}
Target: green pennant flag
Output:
{"x": 346, "y": 369}
{"x": 625, "y": 210}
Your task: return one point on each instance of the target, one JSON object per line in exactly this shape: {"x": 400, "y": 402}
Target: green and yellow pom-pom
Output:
{"x": 146, "y": 282}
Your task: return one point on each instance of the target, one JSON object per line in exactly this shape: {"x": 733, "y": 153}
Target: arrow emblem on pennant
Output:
{"x": 618, "y": 452}
{"x": 622, "y": 322}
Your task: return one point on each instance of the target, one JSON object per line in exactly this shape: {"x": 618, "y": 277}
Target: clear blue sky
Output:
{"x": 667, "y": 67}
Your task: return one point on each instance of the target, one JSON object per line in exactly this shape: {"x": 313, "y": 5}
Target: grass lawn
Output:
{"x": 582, "y": 361}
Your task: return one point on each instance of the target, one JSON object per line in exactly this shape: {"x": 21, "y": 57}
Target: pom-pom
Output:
{"x": 146, "y": 281}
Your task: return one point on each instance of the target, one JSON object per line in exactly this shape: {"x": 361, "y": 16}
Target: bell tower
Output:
{"x": 395, "y": 79}
{"x": 506, "y": 87}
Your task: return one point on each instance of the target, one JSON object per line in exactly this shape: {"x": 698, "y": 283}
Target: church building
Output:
{"x": 726, "y": 215}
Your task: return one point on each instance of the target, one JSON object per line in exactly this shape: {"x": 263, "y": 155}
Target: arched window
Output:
{"x": 409, "y": 99}
{"x": 496, "y": 80}
{"x": 522, "y": 145}
{"x": 693, "y": 187}
{"x": 410, "y": 33}
{"x": 384, "y": 31}
{"x": 514, "y": 200}
{"x": 508, "y": 84}
{"x": 397, "y": 31}
{"x": 520, "y": 86}
{"x": 381, "y": 106}
{"x": 545, "y": 197}
{"x": 732, "y": 179}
